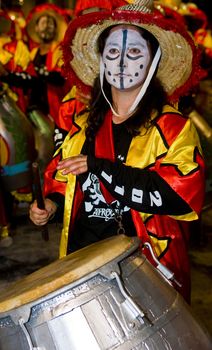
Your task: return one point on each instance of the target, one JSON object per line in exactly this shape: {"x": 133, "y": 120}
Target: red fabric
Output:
{"x": 192, "y": 196}
{"x": 44, "y": 7}
{"x": 50, "y": 184}
{"x": 66, "y": 111}
{"x": 101, "y": 151}
{"x": 105, "y": 133}
{"x": 203, "y": 38}
{"x": 55, "y": 96}
{"x": 3, "y": 216}
{"x": 119, "y": 3}
{"x": 82, "y": 5}
{"x": 13, "y": 68}
{"x": 175, "y": 257}
{"x": 55, "y": 93}
{"x": 199, "y": 15}
{"x": 171, "y": 125}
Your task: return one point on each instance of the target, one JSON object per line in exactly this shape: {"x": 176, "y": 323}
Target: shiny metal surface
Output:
{"x": 97, "y": 311}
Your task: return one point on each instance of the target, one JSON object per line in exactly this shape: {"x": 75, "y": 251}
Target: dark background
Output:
{"x": 27, "y": 5}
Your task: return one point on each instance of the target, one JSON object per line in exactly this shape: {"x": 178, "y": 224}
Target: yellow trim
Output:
{"x": 160, "y": 245}
{"x": 71, "y": 146}
{"x": 5, "y": 56}
{"x": 22, "y": 55}
{"x": 22, "y": 197}
{"x": 56, "y": 56}
{"x": 187, "y": 217}
{"x": 4, "y": 232}
{"x": 57, "y": 60}
{"x": 71, "y": 94}
{"x": 33, "y": 53}
{"x": 10, "y": 93}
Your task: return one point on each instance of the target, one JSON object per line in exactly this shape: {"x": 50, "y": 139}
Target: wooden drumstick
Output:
{"x": 39, "y": 196}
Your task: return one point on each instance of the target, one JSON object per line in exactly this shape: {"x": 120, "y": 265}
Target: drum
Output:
{"x": 17, "y": 149}
{"x": 105, "y": 296}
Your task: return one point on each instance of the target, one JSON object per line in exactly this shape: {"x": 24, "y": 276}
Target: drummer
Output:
{"x": 127, "y": 165}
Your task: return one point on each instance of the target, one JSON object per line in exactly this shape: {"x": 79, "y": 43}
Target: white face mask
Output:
{"x": 126, "y": 58}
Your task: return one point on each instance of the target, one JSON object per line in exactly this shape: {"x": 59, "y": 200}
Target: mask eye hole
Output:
{"x": 134, "y": 51}
{"x": 113, "y": 51}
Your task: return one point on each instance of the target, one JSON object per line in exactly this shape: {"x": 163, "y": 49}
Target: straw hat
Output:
{"x": 178, "y": 69}
{"x": 46, "y": 10}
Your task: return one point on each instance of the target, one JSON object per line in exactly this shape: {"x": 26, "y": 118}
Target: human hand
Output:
{"x": 40, "y": 217}
{"x": 75, "y": 165}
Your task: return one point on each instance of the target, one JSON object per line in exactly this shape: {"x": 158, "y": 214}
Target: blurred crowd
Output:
{"x": 33, "y": 87}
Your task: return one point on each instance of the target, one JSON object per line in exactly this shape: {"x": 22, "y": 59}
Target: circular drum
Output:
{"x": 16, "y": 145}
{"x": 105, "y": 296}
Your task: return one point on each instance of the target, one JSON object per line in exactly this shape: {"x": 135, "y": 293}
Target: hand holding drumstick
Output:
{"x": 41, "y": 210}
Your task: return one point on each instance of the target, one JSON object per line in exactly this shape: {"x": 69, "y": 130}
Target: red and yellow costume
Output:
{"x": 171, "y": 148}
{"x": 53, "y": 60}
{"x": 55, "y": 93}
{"x": 15, "y": 58}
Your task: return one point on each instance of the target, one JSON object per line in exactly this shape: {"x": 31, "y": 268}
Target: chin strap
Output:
{"x": 143, "y": 87}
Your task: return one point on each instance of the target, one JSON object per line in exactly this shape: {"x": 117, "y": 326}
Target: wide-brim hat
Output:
{"x": 50, "y": 10}
{"x": 178, "y": 69}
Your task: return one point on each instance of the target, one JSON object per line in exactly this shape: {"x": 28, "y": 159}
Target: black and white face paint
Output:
{"x": 126, "y": 63}
{"x": 126, "y": 58}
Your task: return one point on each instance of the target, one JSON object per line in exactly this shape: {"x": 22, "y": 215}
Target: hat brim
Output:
{"x": 60, "y": 20}
{"x": 178, "y": 69}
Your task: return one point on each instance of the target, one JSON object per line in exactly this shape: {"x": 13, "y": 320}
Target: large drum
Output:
{"x": 105, "y": 296}
{"x": 17, "y": 148}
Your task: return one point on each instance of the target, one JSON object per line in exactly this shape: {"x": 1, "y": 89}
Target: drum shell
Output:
{"x": 17, "y": 145}
{"x": 94, "y": 311}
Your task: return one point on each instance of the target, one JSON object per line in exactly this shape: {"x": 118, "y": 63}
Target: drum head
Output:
{"x": 65, "y": 271}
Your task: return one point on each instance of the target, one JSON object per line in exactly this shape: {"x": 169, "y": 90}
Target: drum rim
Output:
{"x": 23, "y": 291}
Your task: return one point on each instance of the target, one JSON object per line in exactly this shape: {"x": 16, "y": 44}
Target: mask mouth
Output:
{"x": 144, "y": 86}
